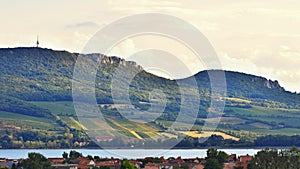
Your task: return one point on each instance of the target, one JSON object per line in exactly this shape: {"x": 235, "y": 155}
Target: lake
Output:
{"x": 122, "y": 153}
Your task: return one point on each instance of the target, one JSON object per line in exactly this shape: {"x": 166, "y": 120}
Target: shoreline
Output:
{"x": 122, "y": 153}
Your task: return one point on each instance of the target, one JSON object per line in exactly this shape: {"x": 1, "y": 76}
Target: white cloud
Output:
{"x": 124, "y": 49}
{"x": 286, "y": 71}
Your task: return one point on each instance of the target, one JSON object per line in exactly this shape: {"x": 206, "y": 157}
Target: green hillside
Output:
{"x": 36, "y": 86}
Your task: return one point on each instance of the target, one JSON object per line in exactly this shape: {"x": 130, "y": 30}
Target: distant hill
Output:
{"x": 33, "y": 75}
{"x": 36, "y": 74}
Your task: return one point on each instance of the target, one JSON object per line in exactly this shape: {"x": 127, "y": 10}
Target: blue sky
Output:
{"x": 257, "y": 37}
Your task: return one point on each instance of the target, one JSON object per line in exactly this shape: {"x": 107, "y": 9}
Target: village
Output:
{"x": 89, "y": 162}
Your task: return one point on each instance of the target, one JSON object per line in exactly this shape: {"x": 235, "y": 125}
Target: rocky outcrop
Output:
{"x": 116, "y": 60}
{"x": 273, "y": 85}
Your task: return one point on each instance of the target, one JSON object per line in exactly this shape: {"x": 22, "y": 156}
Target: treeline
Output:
{"x": 262, "y": 141}
{"x": 186, "y": 143}
{"x": 37, "y": 139}
{"x": 277, "y": 141}
{"x": 269, "y": 158}
{"x": 10, "y": 104}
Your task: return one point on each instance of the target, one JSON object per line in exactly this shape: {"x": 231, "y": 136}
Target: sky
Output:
{"x": 255, "y": 37}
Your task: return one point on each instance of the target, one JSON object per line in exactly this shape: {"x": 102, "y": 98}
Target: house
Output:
{"x": 84, "y": 163}
{"x": 232, "y": 158}
{"x": 162, "y": 158}
{"x": 151, "y": 166}
{"x": 112, "y": 164}
{"x": 104, "y": 138}
{"x": 178, "y": 160}
{"x": 91, "y": 164}
{"x": 81, "y": 166}
{"x": 193, "y": 160}
{"x": 79, "y": 144}
{"x": 229, "y": 165}
{"x": 56, "y": 160}
{"x": 167, "y": 166}
{"x": 245, "y": 158}
{"x": 198, "y": 166}
{"x": 64, "y": 166}
{"x": 243, "y": 161}
{"x": 202, "y": 160}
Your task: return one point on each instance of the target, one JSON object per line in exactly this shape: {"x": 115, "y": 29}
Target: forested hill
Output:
{"x": 258, "y": 89}
{"x": 36, "y": 74}
{"x": 36, "y": 108}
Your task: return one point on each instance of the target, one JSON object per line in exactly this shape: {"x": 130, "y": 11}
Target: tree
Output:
{"x": 36, "y": 161}
{"x": 65, "y": 155}
{"x": 215, "y": 159}
{"x": 271, "y": 158}
{"x": 222, "y": 157}
{"x": 212, "y": 153}
{"x": 266, "y": 158}
{"x": 97, "y": 158}
{"x": 74, "y": 154}
{"x": 212, "y": 163}
{"x": 127, "y": 165}
{"x": 14, "y": 166}
{"x": 90, "y": 157}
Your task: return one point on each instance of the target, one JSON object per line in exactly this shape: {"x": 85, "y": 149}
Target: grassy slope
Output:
{"x": 28, "y": 122}
{"x": 264, "y": 120}
{"x": 66, "y": 112}
{"x": 32, "y": 74}
{"x": 256, "y": 119}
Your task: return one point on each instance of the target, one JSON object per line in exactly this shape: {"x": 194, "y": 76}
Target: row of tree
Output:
{"x": 35, "y": 139}
{"x": 272, "y": 158}
{"x": 269, "y": 158}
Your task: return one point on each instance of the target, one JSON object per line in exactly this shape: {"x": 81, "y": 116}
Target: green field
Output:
{"x": 28, "y": 122}
{"x": 58, "y": 108}
{"x": 264, "y": 120}
{"x": 65, "y": 111}
{"x": 256, "y": 119}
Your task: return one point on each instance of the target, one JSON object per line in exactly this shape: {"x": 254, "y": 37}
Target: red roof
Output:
{"x": 150, "y": 164}
{"x": 245, "y": 158}
{"x": 83, "y": 160}
{"x": 79, "y": 166}
{"x": 105, "y": 163}
{"x": 163, "y": 159}
{"x": 179, "y": 160}
{"x": 243, "y": 161}
{"x": 56, "y": 160}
